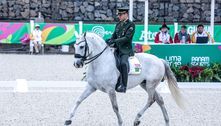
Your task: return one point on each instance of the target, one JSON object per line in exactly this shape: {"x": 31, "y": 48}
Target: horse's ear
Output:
{"x": 85, "y": 34}
{"x": 76, "y": 34}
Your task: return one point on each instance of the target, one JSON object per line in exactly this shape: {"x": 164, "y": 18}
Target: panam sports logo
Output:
{"x": 99, "y": 30}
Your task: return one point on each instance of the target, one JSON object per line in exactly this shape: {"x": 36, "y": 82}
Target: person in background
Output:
{"x": 163, "y": 36}
{"x": 36, "y": 37}
{"x": 182, "y": 36}
{"x": 201, "y": 33}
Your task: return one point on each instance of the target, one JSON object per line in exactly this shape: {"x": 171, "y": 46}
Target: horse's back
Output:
{"x": 146, "y": 58}
{"x": 152, "y": 66}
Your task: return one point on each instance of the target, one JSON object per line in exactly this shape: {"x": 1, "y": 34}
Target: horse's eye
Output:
{"x": 81, "y": 47}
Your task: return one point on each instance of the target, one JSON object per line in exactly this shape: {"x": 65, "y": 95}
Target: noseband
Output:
{"x": 83, "y": 58}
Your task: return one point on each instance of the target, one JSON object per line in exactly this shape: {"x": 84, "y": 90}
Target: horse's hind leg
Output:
{"x": 160, "y": 102}
{"x": 151, "y": 100}
{"x": 112, "y": 95}
{"x": 87, "y": 92}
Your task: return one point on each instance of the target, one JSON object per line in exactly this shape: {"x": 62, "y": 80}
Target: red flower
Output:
{"x": 184, "y": 68}
{"x": 195, "y": 71}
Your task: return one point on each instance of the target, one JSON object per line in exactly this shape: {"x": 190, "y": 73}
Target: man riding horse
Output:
{"x": 122, "y": 41}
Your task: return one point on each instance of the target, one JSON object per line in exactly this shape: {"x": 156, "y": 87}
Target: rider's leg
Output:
{"x": 124, "y": 67}
{"x": 117, "y": 58}
{"x": 124, "y": 72}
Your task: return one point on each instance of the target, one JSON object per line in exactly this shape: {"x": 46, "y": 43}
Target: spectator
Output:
{"x": 163, "y": 36}
{"x": 182, "y": 36}
{"x": 36, "y": 37}
{"x": 201, "y": 36}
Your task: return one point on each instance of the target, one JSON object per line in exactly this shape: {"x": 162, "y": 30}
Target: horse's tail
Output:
{"x": 172, "y": 84}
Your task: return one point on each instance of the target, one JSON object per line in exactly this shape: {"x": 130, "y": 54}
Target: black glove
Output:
{"x": 109, "y": 41}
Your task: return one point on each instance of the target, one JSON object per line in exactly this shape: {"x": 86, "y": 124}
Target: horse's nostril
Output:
{"x": 77, "y": 65}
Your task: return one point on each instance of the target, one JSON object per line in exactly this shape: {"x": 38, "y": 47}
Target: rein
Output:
{"x": 95, "y": 57}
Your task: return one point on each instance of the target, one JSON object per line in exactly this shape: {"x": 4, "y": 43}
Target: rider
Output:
{"x": 122, "y": 41}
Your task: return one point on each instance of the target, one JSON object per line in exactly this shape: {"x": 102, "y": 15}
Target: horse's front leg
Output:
{"x": 87, "y": 92}
{"x": 112, "y": 95}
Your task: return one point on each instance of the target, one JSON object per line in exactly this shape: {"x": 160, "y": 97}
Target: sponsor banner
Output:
{"x": 106, "y": 30}
{"x": 13, "y": 32}
{"x": 53, "y": 33}
{"x": 193, "y": 54}
{"x": 57, "y": 33}
{"x": 103, "y": 30}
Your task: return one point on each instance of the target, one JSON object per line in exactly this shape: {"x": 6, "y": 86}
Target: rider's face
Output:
{"x": 122, "y": 16}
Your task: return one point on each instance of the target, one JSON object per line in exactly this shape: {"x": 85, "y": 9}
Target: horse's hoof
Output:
{"x": 136, "y": 123}
{"x": 67, "y": 122}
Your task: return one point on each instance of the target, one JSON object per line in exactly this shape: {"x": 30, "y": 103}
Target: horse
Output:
{"x": 102, "y": 74}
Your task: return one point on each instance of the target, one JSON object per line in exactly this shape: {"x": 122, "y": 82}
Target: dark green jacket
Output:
{"x": 122, "y": 37}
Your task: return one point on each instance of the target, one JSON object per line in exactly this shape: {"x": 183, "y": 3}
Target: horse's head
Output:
{"x": 81, "y": 51}
{"x": 88, "y": 47}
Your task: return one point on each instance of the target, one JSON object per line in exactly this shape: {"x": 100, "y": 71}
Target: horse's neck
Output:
{"x": 104, "y": 67}
{"x": 104, "y": 61}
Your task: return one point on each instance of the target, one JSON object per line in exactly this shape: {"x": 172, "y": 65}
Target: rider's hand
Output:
{"x": 109, "y": 42}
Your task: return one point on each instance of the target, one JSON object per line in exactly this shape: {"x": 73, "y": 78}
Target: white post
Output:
{"x": 31, "y": 45}
{"x": 146, "y": 22}
{"x": 31, "y": 25}
{"x": 212, "y": 18}
{"x": 131, "y": 10}
{"x": 80, "y": 27}
{"x": 175, "y": 28}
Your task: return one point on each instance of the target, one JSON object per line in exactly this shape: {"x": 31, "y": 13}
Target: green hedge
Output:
{"x": 189, "y": 73}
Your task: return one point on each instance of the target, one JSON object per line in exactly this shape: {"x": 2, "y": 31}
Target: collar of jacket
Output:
{"x": 126, "y": 20}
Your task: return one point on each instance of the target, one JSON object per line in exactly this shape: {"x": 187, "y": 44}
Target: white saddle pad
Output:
{"x": 135, "y": 66}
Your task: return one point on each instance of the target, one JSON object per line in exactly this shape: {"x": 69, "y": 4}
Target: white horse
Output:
{"x": 102, "y": 74}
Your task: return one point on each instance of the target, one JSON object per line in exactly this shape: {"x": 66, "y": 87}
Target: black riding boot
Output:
{"x": 124, "y": 77}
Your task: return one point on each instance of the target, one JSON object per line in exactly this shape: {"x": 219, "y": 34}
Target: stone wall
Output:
{"x": 105, "y": 10}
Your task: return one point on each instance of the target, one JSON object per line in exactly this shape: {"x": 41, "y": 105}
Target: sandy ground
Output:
{"x": 38, "y": 67}
{"x": 44, "y": 108}
{"x": 52, "y": 108}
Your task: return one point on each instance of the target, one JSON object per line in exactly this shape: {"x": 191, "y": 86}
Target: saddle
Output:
{"x": 134, "y": 66}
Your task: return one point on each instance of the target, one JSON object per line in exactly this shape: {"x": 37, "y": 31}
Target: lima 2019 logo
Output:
{"x": 99, "y": 30}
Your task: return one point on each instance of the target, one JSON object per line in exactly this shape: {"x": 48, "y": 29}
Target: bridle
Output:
{"x": 85, "y": 57}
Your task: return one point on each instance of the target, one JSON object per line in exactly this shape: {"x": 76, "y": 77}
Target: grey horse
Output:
{"x": 102, "y": 74}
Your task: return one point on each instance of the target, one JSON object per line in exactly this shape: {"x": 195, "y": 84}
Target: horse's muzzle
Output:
{"x": 79, "y": 64}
